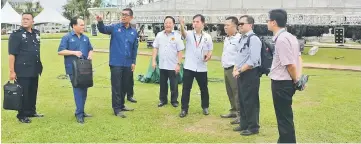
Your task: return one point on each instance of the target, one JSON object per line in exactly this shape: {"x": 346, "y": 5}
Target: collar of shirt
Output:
{"x": 73, "y": 33}
{"x": 278, "y": 33}
{"x": 172, "y": 33}
{"x": 247, "y": 34}
{"x": 195, "y": 33}
{"x": 25, "y": 31}
{"x": 123, "y": 26}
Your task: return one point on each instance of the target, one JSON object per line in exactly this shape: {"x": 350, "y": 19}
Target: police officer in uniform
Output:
{"x": 25, "y": 65}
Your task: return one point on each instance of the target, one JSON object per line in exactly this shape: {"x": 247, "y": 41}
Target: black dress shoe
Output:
{"x": 248, "y": 132}
{"x": 36, "y": 115}
{"x": 161, "y": 104}
{"x": 183, "y": 114}
{"x": 25, "y": 120}
{"x": 205, "y": 111}
{"x": 127, "y": 109}
{"x": 121, "y": 114}
{"x": 235, "y": 121}
{"x": 87, "y": 115}
{"x": 230, "y": 115}
{"x": 238, "y": 129}
{"x": 131, "y": 99}
{"x": 175, "y": 104}
{"x": 80, "y": 119}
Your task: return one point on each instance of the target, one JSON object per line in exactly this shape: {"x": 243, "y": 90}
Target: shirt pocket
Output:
{"x": 73, "y": 45}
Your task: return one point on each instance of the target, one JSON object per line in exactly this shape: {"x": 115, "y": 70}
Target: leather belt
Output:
{"x": 231, "y": 67}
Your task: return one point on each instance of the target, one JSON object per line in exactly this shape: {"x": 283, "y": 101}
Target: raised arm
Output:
{"x": 102, "y": 28}
{"x": 182, "y": 30}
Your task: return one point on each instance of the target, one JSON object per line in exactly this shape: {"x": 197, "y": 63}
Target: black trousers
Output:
{"x": 130, "y": 90}
{"x": 30, "y": 90}
{"x": 120, "y": 83}
{"x": 282, "y": 93}
{"x": 202, "y": 80}
{"x": 163, "y": 82}
{"x": 248, "y": 87}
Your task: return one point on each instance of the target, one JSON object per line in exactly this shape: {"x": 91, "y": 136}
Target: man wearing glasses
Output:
{"x": 246, "y": 71}
{"x": 122, "y": 57}
{"x": 285, "y": 71}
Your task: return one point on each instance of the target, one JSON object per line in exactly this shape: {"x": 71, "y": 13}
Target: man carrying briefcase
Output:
{"x": 75, "y": 45}
{"x": 25, "y": 65}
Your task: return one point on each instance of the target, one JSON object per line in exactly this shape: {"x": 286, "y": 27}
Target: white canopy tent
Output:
{"x": 9, "y": 15}
{"x": 49, "y": 15}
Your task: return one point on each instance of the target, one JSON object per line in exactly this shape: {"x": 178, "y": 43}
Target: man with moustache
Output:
{"x": 199, "y": 46}
{"x": 228, "y": 62}
{"x": 72, "y": 46}
{"x": 168, "y": 45}
{"x": 122, "y": 57}
{"x": 25, "y": 65}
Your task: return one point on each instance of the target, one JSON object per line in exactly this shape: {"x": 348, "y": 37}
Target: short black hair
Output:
{"x": 233, "y": 19}
{"x": 280, "y": 16}
{"x": 74, "y": 21}
{"x": 250, "y": 19}
{"x": 170, "y": 18}
{"x": 129, "y": 10}
{"x": 28, "y": 13}
{"x": 203, "y": 19}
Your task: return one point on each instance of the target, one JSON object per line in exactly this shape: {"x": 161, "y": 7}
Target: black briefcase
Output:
{"x": 82, "y": 73}
{"x": 13, "y": 96}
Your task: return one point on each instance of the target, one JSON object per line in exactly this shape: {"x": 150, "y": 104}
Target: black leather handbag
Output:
{"x": 13, "y": 96}
{"x": 82, "y": 73}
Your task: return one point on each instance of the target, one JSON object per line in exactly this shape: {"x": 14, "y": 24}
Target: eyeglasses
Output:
{"x": 269, "y": 20}
{"x": 241, "y": 24}
{"x": 125, "y": 15}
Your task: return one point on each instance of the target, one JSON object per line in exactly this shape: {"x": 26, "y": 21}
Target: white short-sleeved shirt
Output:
{"x": 197, "y": 46}
{"x": 168, "y": 46}
{"x": 230, "y": 50}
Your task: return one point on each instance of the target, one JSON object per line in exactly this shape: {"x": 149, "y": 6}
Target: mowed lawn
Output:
{"x": 327, "y": 111}
{"x": 349, "y": 57}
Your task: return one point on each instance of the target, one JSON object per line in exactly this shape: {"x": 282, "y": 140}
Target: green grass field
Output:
{"x": 327, "y": 111}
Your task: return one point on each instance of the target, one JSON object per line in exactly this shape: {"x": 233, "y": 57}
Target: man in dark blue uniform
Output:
{"x": 122, "y": 57}
{"x": 73, "y": 45}
{"x": 25, "y": 65}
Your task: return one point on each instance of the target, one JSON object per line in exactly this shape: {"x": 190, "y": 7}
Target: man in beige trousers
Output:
{"x": 228, "y": 61}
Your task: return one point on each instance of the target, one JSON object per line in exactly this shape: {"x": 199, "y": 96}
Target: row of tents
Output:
{"x": 48, "y": 15}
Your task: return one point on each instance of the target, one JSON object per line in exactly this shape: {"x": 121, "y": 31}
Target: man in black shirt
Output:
{"x": 25, "y": 65}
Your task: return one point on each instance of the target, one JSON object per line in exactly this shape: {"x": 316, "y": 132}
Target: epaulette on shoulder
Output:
{"x": 18, "y": 30}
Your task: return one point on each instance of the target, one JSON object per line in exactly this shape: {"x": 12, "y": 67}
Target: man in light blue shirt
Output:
{"x": 248, "y": 76}
{"x": 199, "y": 48}
{"x": 168, "y": 45}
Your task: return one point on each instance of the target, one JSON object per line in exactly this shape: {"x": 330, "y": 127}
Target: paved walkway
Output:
{"x": 332, "y": 45}
{"x": 305, "y": 65}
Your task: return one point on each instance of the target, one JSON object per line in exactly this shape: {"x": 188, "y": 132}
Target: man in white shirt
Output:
{"x": 228, "y": 62}
{"x": 168, "y": 45}
{"x": 199, "y": 48}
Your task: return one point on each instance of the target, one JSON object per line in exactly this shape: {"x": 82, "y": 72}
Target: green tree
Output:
{"x": 97, "y": 3}
{"x": 29, "y": 7}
